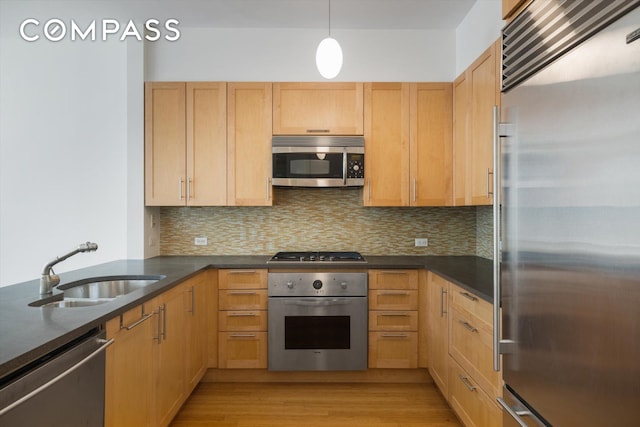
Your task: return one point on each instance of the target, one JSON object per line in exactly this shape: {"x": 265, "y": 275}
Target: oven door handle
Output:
{"x": 318, "y": 302}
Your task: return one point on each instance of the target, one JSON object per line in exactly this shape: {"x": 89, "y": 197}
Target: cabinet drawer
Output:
{"x": 471, "y": 403}
{"x": 393, "y": 279}
{"x": 242, "y": 350}
{"x": 242, "y": 279}
{"x": 393, "y": 350}
{"x": 466, "y": 300}
{"x": 393, "y": 300}
{"x": 393, "y": 320}
{"x": 242, "y": 320}
{"x": 471, "y": 344}
{"x": 251, "y": 299}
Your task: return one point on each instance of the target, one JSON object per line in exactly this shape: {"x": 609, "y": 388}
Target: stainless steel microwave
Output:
{"x": 318, "y": 161}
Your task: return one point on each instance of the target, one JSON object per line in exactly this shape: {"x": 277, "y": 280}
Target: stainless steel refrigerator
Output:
{"x": 569, "y": 271}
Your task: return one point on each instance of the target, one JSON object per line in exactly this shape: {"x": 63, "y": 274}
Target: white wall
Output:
{"x": 65, "y": 124}
{"x": 477, "y": 31}
{"x": 226, "y": 54}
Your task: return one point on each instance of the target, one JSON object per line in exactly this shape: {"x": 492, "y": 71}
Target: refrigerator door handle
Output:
{"x": 516, "y": 415}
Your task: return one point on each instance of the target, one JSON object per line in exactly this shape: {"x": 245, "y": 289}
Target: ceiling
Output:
{"x": 345, "y": 14}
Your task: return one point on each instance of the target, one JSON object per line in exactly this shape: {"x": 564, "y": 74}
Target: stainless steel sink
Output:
{"x": 96, "y": 290}
{"x": 110, "y": 288}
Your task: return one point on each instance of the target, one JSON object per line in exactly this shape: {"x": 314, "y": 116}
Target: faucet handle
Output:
{"x": 88, "y": 247}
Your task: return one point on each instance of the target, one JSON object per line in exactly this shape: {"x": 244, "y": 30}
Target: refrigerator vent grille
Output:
{"x": 547, "y": 29}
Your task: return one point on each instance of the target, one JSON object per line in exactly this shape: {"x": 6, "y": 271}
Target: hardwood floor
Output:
{"x": 314, "y": 405}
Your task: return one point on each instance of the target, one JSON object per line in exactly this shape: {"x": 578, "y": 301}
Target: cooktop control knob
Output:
{"x": 317, "y": 284}
{"x": 290, "y": 285}
{"x": 343, "y": 285}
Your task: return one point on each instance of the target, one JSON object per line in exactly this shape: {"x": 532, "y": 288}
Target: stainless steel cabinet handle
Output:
{"x": 242, "y": 335}
{"x": 468, "y": 326}
{"x": 393, "y": 272}
{"x": 369, "y": 189}
{"x": 105, "y": 344}
{"x": 515, "y": 414}
{"x": 318, "y": 130}
{"x": 180, "y": 187}
{"x": 268, "y": 189}
{"x": 241, "y": 272}
{"x": 489, "y": 183}
{"x": 415, "y": 189}
{"x": 192, "y": 291}
{"x": 395, "y": 335}
{"x": 497, "y": 286}
{"x": 467, "y": 383}
{"x": 394, "y": 314}
{"x": 189, "y": 184}
{"x": 467, "y": 295}
{"x": 164, "y": 322}
{"x": 249, "y": 314}
{"x": 159, "y": 326}
{"x": 442, "y": 293}
{"x": 136, "y": 323}
{"x": 242, "y": 293}
{"x": 388, "y": 293}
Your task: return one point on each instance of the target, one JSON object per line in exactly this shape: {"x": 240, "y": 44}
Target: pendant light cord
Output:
{"x": 329, "y": 18}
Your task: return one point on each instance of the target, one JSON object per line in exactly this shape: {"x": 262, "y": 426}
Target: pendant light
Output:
{"x": 329, "y": 55}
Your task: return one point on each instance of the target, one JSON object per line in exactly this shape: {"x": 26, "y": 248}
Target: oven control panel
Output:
{"x": 317, "y": 284}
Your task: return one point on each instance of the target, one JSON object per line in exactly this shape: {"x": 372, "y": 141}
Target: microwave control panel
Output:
{"x": 355, "y": 165}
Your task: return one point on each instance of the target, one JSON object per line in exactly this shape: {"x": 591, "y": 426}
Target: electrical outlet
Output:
{"x": 200, "y": 241}
{"x": 422, "y": 242}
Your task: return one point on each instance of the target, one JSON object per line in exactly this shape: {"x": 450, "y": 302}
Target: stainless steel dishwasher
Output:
{"x": 63, "y": 388}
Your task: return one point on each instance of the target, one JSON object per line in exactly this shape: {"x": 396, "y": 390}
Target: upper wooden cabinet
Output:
{"x": 408, "y": 137}
{"x": 185, "y": 144}
{"x": 510, "y": 7}
{"x": 249, "y": 144}
{"x": 476, "y": 93}
{"x": 317, "y": 108}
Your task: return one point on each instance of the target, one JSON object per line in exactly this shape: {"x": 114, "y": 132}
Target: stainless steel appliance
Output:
{"x": 317, "y": 321}
{"x": 318, "y": 161}
{"x": 64, "y": 388}
{"x": 570, "y": 271}
{"x": 320, "y": 257}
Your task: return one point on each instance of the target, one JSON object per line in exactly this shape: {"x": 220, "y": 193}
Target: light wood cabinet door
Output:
{"x": 484, "y": 96}
{"x": 129, "y": 376}
{"x": 185, "y": 144}
{"x": 243, "y": 350}
{"x": 393, "y": 279}
{"x": 438, "y": 331}
{"x": 242, "y": 279}
{"x": 430, "y": 146}
{"x": 394, "y": 350}
{"x": 249, "y": 144}
{"x": 317, "y": 108}
{"x": 472, "y": 405}
{"x": 165, "y": 144}
{"x": 461, "y": 117}
{"x": 386, "y": 133}
{"x": 509, "y": 7}
{"x": 206, "y": 144}
{"x": 196, "y": 319}
{"x": 170, "y": 356}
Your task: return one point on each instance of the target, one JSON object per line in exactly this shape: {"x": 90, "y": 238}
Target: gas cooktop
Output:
{"x": 317, "y": 257}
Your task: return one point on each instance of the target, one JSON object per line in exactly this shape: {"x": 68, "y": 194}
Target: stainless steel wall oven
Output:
{"x": 317, "y": 321}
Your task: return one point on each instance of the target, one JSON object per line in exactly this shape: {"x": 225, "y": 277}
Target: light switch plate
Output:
{"x": 200, "y": 241}
{"x": 422, "y": 242}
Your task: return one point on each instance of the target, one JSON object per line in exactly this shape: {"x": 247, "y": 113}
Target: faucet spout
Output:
{"x": 49, "y": 280}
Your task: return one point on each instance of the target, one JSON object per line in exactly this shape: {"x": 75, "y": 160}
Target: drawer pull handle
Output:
{"x": 467, "y": 383}
{"x": 318, "y": 130}
{"x": 242, "y": 315}
{"x": 467, "y": 295}
{"x": 394, "y": 314}
{"x": 468, "y": 326}
{"x": 394, "y": 293}
{"x": 395, "y": 335}
{"x": 442, "y": 310}
{"x": 242, "y": 293}
{"x": 242, "y": 335}
{"x": 393, "y": 272}
{"x": 136, "y": 323}
{"x": 241, "y": 272}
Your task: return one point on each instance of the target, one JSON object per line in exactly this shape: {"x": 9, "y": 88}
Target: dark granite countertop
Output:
{"x": 28, "y": 333}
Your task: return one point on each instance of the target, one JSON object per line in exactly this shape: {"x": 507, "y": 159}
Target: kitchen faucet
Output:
{"x": 49, "y": 279}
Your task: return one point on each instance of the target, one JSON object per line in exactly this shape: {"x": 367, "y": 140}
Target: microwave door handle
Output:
{"x": 344, "y": 167}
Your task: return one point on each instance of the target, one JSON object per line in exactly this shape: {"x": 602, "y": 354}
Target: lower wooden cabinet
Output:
{"x": 242, "y": 350}
{"x": 129, "y": 375}
{"x": 438, "y": 331}
{"x": 472, "y": 405}
{"x": 242, "y": 319}
{"x": 158, "y": 356}
{"x": 393, "y": 350}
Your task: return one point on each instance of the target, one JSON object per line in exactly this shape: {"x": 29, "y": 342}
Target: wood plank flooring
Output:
{"x": 315, "y": 405}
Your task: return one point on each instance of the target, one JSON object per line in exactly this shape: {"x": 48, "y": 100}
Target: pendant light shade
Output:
{"x": 329, "y": 58}
{"x": 329, "y": 55}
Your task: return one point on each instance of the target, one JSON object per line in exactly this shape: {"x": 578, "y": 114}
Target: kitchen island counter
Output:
{"x": 28, "y": 333}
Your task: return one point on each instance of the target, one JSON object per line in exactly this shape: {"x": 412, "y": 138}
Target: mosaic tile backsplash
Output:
{"x": 324, "y": 219}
